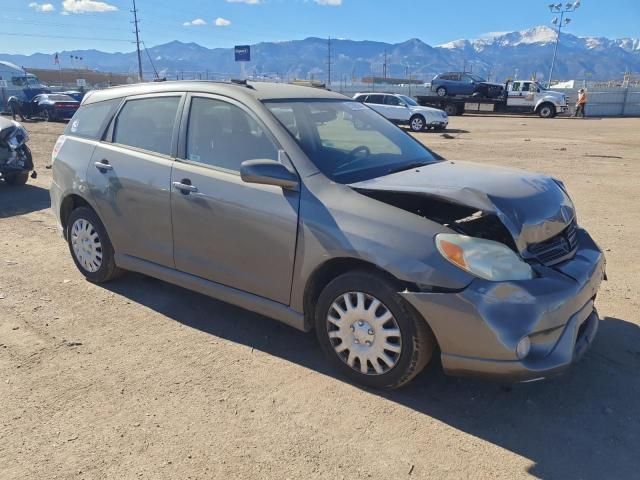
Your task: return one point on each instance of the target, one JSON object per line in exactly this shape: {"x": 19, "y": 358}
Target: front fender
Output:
{"x": 549, "y": 99}
{"x": 336, "y": 222}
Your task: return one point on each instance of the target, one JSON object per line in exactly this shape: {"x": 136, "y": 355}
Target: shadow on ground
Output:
{"x": 582, "y": 425}
{"x": 18, "y": 200}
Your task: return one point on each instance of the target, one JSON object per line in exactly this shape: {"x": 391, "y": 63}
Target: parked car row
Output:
{"x": 309, "y": 207}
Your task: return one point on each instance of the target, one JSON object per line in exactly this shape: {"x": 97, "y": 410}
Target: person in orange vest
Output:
{"x": 581, "y": 103}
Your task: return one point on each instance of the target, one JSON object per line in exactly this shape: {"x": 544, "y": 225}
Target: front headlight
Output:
{"x": 483, "y": 258}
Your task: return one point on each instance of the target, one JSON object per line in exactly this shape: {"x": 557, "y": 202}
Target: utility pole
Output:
{"x": 137, "y": 32}
{"x": 329, "y": 62}
{"x": 384, "y": 65}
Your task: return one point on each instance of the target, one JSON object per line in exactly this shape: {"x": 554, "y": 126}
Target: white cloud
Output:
{"x": 248, "y": 2}
{"x": 330, "y": 3}
{"x": 222, "y": 22}
{"x": 42, "y": 7}
{"x": 85, "y": 6}
{"x": 196, "y": 22}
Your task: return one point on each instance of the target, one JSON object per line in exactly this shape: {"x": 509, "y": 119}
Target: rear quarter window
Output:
{"x": 90, "y": 120}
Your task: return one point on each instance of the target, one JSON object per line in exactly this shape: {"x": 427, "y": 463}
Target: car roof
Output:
{"x": 376, "y": 93}
{"x": 250, "y": 90}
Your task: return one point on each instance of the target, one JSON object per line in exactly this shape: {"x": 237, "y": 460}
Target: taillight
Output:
{"x": 57, "y": 147}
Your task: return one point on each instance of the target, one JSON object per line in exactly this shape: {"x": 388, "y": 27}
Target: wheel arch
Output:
{"x": 70, "y": 203}
{"x": 332, "y": 269}
{"x": 544, "y": 101}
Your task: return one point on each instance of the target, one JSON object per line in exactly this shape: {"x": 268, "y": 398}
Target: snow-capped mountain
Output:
{"x": 497, "y": 55}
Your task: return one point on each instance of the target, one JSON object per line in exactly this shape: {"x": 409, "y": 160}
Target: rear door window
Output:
{"x": 376, "y": 99}
{"x": 147, "y": 123}
{"x": 90, "y": 120}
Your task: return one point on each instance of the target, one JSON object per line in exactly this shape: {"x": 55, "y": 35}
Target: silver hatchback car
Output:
{"x": 308, "y": 207}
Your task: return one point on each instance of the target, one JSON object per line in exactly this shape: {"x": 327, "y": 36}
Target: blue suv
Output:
{"x": 457, "y": 83}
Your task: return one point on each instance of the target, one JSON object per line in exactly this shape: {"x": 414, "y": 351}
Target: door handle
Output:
{"x": 185, "y": 188}
{"x": 103, "y": 165}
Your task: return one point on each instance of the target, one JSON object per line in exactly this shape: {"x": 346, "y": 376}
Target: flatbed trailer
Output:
{"x": 516, "y": 97}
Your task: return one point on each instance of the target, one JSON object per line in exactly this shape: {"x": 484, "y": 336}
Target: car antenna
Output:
{"x": 244, "y": 83}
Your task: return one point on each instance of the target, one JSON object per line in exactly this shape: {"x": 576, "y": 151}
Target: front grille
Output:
{"x": 557, "y": 248}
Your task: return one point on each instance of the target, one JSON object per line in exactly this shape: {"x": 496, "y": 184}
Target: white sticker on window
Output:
{"x": 75, "y": 125}
{"x": 195, "y": 158}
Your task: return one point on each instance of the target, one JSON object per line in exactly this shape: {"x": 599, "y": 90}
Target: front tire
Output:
{"x": 417, "y": 123}
{"x": 547, "y": 110}
{"x": 46, "y": 115}
{"x": 441, "y": 92}
{"x": 90, "y": 246}
{"x": 369, "y": 333}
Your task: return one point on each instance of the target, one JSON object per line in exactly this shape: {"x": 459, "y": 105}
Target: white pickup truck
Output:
{"x": 519, "y": 96}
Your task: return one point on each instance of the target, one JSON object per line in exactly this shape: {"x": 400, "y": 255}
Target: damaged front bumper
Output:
{"x": 479, "y": 328}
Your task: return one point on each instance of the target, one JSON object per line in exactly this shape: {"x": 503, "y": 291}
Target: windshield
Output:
{"x": 409, "y": 100}
{"x": 348, "y": 141}
{"x": 477, "y": 78}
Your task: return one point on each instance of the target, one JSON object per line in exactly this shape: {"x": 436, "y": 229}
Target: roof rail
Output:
{"x": 244, "y": 83}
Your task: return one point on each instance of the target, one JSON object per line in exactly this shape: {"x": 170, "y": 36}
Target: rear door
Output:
{"x": 129, "y": 176}
{"x": 520, "y": 95}
{"x": 376, "y": 101}
{"x": 225, "y": 230}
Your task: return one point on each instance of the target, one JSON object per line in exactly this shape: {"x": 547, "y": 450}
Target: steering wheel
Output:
{"x": 352, "y": 156}
{"x": 362, "y": 148}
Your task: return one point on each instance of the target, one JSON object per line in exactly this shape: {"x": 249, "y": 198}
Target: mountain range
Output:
{"x": 497, "y": 56}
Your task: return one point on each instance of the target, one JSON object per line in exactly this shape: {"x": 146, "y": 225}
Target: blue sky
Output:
{"x": 54, "y": 25}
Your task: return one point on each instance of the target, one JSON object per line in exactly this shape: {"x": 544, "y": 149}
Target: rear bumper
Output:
{"x": 479, "y": 328}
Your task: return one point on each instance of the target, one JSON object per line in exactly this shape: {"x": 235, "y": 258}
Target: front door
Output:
{"x": 395, "y": 109}
{"x": 225, "y": 230}
{"x": 129, "y": 178}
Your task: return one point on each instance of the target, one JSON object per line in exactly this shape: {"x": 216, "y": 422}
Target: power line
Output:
{"x": 137, "y": 32}
{"x": 151, "y": 61}
{"x": 66, "y": 37}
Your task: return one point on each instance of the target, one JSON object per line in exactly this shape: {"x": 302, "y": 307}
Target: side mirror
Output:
{"x": 268, "y": 172}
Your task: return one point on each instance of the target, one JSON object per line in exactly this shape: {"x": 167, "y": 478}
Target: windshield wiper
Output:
{"x": 408, "y": 166}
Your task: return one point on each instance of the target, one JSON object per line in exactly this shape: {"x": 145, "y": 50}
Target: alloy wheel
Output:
{"x": 417, "y": 124}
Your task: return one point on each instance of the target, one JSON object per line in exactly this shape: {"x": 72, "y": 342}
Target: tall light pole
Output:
{"x": 561, "y": 9}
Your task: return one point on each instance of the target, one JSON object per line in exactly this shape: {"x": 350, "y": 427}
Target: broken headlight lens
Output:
{"x": 483, "y": 258}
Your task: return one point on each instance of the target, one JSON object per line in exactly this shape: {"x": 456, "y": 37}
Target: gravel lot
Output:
{"x": 141, "y": 379}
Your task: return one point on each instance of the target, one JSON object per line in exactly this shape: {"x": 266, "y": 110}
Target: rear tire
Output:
{"x": 17, "y": 179}
{"x": 91, "y": 247}
{"x": 451, "y": 109}
{"x": 391, "y": 352}
{"x": 46, "y": 115}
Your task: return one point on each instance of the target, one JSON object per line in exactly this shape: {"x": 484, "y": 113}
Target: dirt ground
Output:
{"x": 141, "y": 379}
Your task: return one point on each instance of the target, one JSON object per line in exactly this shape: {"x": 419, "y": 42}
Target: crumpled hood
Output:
{"x": 533, "y": 207}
